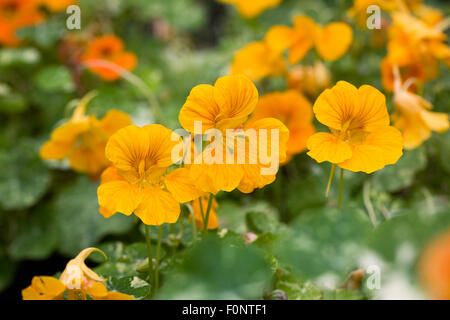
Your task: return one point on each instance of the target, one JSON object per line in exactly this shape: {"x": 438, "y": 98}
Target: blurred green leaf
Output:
{"x": 54, "y": 78}
{"x": 23, "y": 178}
{"x": 132, "y": 285}
{"x": 213, "y": 270}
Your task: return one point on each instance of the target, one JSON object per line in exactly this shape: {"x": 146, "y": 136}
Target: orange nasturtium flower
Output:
{"x": 252, "y": 8}
{"x": 77, "y": 282}
{"x": 413, "y": 117}
{"x": 361, "y": 138}
{"x": 111, "y": 49}
{"x": 16, "y": 14}
{"x": 83, "y": 138}
{"x": 139, "y": 179}
{"x": 213, "y": 221}
{"x": 434, "y": 267}
{"x": 226, "y": 107}
{"x": 331, "y": 41}
{"x": 294, "y": 111}
{"x": 57, "y": 5}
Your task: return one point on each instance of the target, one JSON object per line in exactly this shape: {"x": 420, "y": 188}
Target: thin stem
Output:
{"x": 341, "y": 188}
{"x": 158, "y": 250}
{"x": 208, "y": 210}
{"x": 149, "y": 252}
{"x": 368, "y": 203}
{"x": 333, "y": 167}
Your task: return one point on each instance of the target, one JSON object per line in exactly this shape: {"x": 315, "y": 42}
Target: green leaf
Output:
{"x": 77, "y": 218}
{"x": 401, "y": 174}
{"x": 7, "y": 271}
{"x": 23, "y": 178}
{"x": 261, "y": 222}
{"x": 297, "y": 289}
{"x": 21, "y": 56}
{"x": 132, "y": 285}
{"x": 45, "y": 34}
{"x": 324, "y": 241}
{"x": 53, "y": 79}
{"x": 214, "y": 270}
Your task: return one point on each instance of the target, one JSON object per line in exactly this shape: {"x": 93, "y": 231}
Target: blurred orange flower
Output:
{"x": 361, "y": 138}
{"x": 309, "y": 79}
{"x": 257, "y": 60}
{"x": 16, "y": 14}
{"x": 213, "y": 221}
{"x": 294, "y": 111}
{"x": 331, "y": 41}
{"x": 83, "y": 139}
{"x": 226, "y": 107}
{"x": 77, "y": 280}
{"x": 434, "y": 267}
{"x": 109, "y": 49}
{"x": 139, "y": 180}
{"x": 252, "y": 8}
{"x": 413, "y": 117}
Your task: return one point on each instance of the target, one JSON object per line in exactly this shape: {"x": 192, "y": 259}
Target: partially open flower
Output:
{"x": 200, "y": 210}
{"x": 77, "y": 282}
{"x": 310, "y": 79}
{"x": 83, "y": 138}
{"x": 412, "y": 115}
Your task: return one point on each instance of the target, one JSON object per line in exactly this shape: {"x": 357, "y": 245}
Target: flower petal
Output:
{"x": 118, "y": 196}
{"x": 333, "y": 40}
{"x": 157, "y": 207}
{"x": 113, "y": 121}
{"x": 326, "y": 147}
{"x": 179, "y": 184}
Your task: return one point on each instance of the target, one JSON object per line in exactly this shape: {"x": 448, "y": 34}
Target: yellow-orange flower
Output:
{"x": 294, "y": 111}
{"x": 83, "y": 138}
{"x": 16, "y": 14}
{"x": 252, "y": 8}
{"x": 309, "y": 79}
{"x": 57, "y": 5}
{"x": 139, "y": 180}
{"x": 226, "y": 106}
{"x": 257, "y": 60}
{"x": 108, "y": 48}
{"x": 361, "y": 138}
{"x": 77, "y": 281}
{"x": 434, "y": 267}
{"x": 213, "y": 221}
{"x": 415, "y": 47}
{"x": 413, "y": 117}
{"x": 330, "y": 41}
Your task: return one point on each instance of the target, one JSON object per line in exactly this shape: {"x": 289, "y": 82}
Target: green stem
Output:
{"x": 333, "y": 167}
{"x": 341, "y": 188}
{"x": 158, "y": 250}
{"x": 149, "y": 252}
{"x": 194, "y": 224}
{"x": 208, "y": 210}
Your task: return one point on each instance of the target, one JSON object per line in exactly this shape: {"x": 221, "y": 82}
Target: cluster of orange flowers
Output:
{"x": 416, "y": 46}
{"x": 77, "y": 282}
{"x": 17, "y": 14}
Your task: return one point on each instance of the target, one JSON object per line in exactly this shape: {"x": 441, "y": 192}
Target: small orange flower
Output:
{"x": 294, "y": 111}
{"x": 108, "y": 48}
{"x": 213, "y": 221}
{"x": 226, "y": 107}
{"x": 434, "y": 267}
{"x": 77, "y": 280}
{"x": 57, "y": 5}
{"x": 412, "y": 116}
{"x": 139, "y": 180}
{"x": 310, "y": 79}
{"x": 16, "y": 14}
{"x": 83, "y": 139}
{"x": 252, "y": 8}
{"x": 361, "y": 138}
{"x": 331, "y": 41}
{"x": 257, "y": 60}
